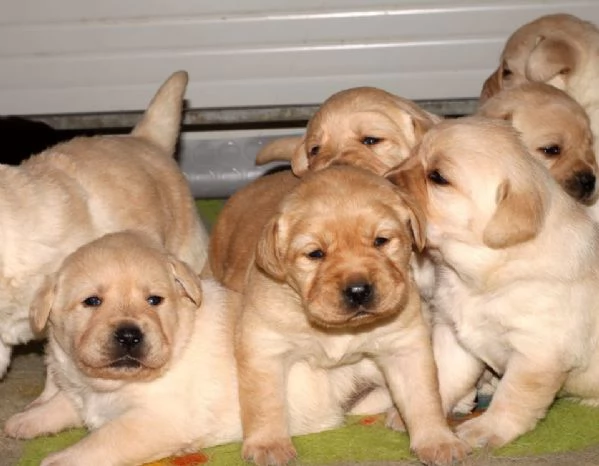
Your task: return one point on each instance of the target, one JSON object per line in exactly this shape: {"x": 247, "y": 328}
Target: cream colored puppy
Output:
{"x": 331, "y": 285}
{"x": 363, "y": 126}
{"x": 79, "y": 190}
{"x": 518, "y": 275}
{"x": 555, "y": 129}
{"x": 141, "y": 353}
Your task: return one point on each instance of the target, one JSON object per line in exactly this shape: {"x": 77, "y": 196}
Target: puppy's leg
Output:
{"x": 134, "y": 438}
{"x": 262, "y": 383}
{"x": 49, "y": 417}
{"x": 457, "y": 369}
{"x": 523, "y": 395}
{"x": 411, "y": 376}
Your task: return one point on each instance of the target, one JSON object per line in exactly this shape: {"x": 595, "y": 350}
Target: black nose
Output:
{"x": 586, "y": 181}
{"x": 128, "y": 336}
{"x": 358, "y": 294}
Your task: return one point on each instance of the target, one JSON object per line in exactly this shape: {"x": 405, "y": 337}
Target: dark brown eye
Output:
{"x": 92, "y": 301}
{"x": 371, "y": 140}
{"x": 314, "y": 151}
{"x": 437, "y": 178}
{"x": 506, "y": 73}
{"x": 551, "y": 151}
{"x": 316, "y": 254}
{"x": 380, "y": 241}
{"x": 154, "y": 300}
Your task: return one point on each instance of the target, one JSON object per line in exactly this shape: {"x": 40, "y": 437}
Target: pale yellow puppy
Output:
{"x": 140, "y": 351}
{"x": 79, "y": 190}
{"x": 517, "y": 263}
{"x": 364, "y": 126}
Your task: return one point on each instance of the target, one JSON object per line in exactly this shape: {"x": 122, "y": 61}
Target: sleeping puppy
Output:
{"x": 141, "y": 353}
{"x": 363, "y": 126}
{"x": 79, "y": 190}
{"x": 331, "y": 285}
{"x": 518, "y": 275}
{"x": 555, "y": 129}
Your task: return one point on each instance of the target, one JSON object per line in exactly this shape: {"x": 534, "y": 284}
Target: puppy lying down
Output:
{"x": 84, "y": 188}
{"x": 518, "y": 275}
{"x": 141, "y": 353}
{"x": 331, "y": 285}
{"x": 364, "y": 127}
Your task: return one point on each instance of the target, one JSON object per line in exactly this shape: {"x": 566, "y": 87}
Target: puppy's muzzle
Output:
{"x": 128, "y": 345}
{"x": 582, "y": 186}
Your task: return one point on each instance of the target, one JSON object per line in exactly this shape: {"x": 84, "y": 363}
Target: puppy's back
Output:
{"x": 239, "y": 226}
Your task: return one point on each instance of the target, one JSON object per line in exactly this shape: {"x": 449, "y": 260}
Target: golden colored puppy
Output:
{"x": 518, "y": 275}
{"x": 331, "y": 285}
{"x": 79, "y": 190}
{"x": 141, "y": 353}
{"x": 363, "y": 126}
{"x": 555, "y": 129}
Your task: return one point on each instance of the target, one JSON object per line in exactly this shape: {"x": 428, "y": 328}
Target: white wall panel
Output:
{"x": 66, "y": 56}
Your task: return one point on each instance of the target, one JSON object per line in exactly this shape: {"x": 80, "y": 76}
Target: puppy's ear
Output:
{"x": 497, "y": 108}
{"x": 492, "y": 85}
{"x": 41, "y": 306}
{"x": 519, "y": 217}
{"x": 187, "y": 280}
{"x": 422, "y": 124}
{"x": 282, "y": 149}
{"x": 417, "y": 223}
{"x": 551, "y": 61}
{"x": 269, "y": 255}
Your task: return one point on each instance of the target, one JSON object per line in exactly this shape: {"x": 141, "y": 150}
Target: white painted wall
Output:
{"x": 63, "y": 56}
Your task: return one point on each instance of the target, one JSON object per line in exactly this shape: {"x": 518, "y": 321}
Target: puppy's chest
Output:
{"x": 329, "y": 352}
{"x": 99, "y": 408}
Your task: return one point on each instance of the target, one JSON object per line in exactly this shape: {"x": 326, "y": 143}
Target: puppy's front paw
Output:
{"x": 25, "y": 425}
{"x": 441, "y": 449}
{"x": 61, "y": 458}
{"x": 394, "y": 421}
{"x": 277, "y": 452}
{"x": 486, "y": 430}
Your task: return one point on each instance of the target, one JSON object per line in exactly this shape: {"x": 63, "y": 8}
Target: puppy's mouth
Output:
{"x": 126, "y": 362}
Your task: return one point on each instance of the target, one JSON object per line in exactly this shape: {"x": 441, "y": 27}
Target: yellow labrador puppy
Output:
{"x": 363, "y": 126}
{"x": 518, "y": 275}
{"x": 141, "y": 353}
{"x": 79, "y": 190}
{"x": 555, "y": 129}
{"x": 331, "y": 285}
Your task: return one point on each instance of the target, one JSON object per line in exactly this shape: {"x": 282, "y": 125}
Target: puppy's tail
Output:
{"x": 279, "y": 149}
{"x": 161, "y": 121}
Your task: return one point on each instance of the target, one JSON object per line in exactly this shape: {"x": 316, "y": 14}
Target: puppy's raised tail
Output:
{"x": 161, "y": 121}
{"x": 279, "y": 149}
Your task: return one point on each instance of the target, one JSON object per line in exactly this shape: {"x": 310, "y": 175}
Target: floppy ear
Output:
{"x": 551, "y": 58}
{"x": 423, "y": 123}
{"x": 41, "y": 306}
{"x": 519, "y": 217}
{"x": 497, "y": 108}
{"x": 269, "y": 255}
{"x": 187, "y": 280}
{"x": 492, "y": 85}
{"x": 417, "y": 223}
{"x": 280, "y": 149}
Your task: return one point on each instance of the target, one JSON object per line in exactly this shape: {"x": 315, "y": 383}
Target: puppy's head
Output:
{"x": 342, "y": 240}
{"x": 477, "y": 184}
{"x": 364, "y": 127}
{"x": 551, "y": 49}
{"x": 555, "y": 129}
{"x": 119, "y": 307}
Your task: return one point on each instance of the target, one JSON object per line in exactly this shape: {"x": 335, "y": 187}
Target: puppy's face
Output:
{"x": 343, "y": 241}
{"x": 477, "y": 184}
{"x": 364, "y": 127}
{"x": 119, "y": 307}
{"x": 555, "y": 129}
{"x": 550, "y": 49}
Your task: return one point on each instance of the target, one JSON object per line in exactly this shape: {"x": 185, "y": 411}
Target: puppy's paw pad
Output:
{"x": 394, "y": 421}
{"x": 442, "y": 451}
{"x": 23, "y": 426}
{"x": 271, "y": 453}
